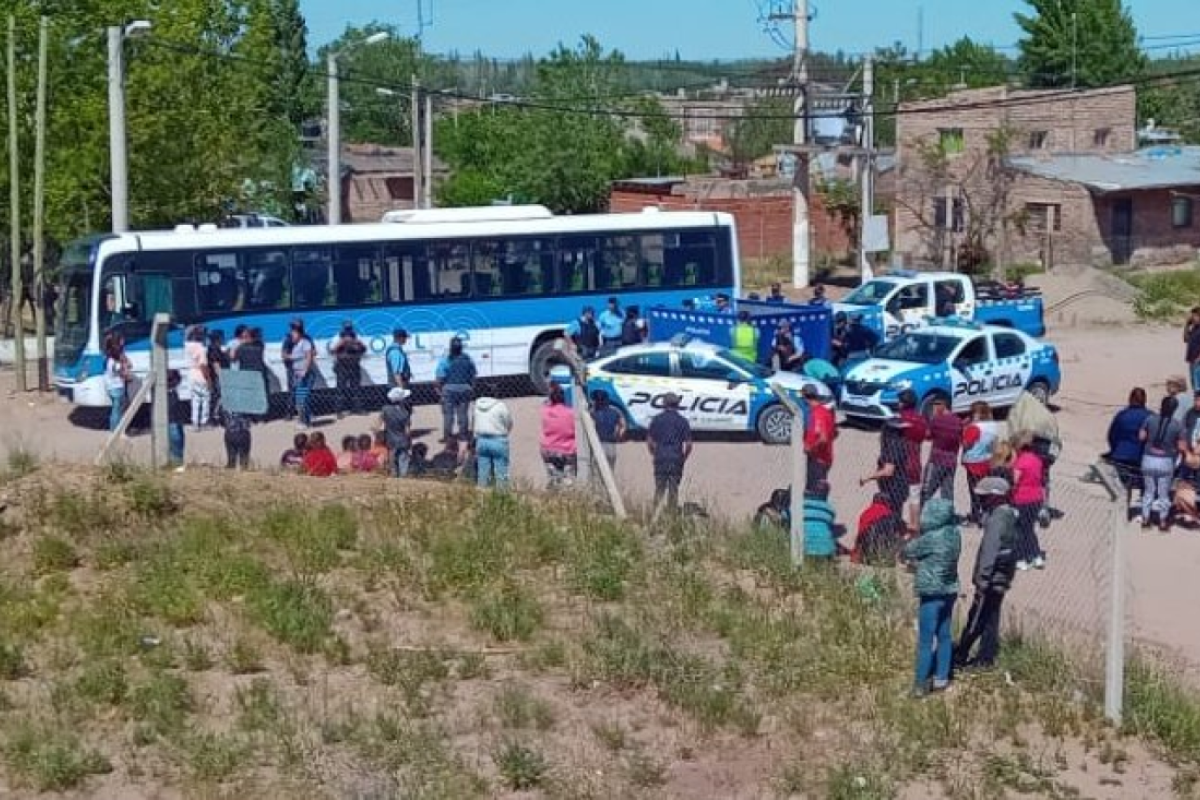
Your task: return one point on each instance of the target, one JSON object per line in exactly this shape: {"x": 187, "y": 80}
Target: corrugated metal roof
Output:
{"x": 1150, "y": 168}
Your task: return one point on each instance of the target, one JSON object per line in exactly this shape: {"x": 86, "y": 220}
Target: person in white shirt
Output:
{"x": 492, "y": 424}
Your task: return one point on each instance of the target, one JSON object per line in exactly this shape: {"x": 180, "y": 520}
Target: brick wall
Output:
{"x": 764, "y": 222}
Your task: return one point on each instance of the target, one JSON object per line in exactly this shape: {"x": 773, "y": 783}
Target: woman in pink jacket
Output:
{"x": 559, "y": 452}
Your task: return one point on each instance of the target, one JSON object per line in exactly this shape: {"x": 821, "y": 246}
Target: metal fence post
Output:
{"x": 798, "y": 474}
{"x": 160, "y": 446}
{"x": 1114, "y": 661}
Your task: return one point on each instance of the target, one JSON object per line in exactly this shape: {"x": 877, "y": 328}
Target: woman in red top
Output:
{"x": 1029, "y": 493}
{"x": 319, "y": 460}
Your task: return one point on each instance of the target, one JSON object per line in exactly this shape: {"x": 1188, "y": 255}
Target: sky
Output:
{"x": 708, "y": 29}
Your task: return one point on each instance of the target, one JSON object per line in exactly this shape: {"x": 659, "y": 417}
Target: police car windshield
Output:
{"x": 757, "y": 370}
{"x": 871, "y": 293}
{"x": 923, "y": 348}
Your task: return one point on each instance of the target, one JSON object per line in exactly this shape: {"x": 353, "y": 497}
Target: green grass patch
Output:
{"x": 522, "y": 768}
{"x": 1166, "y": 296}
{"x": 297, "y": 613}
{"x": 508, "y": 612}
{"x": 1157, "y": 706}
{"x": 517, "y": 709}
{"x": 49, "y": 759}
{"x": 52, "y": 554}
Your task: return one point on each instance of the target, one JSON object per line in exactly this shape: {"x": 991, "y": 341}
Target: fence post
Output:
{"x": 799, "y": 475}
{"x": 160, "y": 446}
{"x": 1114, "y": 662}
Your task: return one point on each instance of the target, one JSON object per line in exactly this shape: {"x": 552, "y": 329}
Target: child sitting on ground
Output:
{"x": 379, "y": 449}
{"x": 293, "y": 458}
{"x": 364, "y": 460}
{"x": 346, "y": 459}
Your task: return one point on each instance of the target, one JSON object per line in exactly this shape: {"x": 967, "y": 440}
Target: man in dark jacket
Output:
{"x": 995, "y": 565}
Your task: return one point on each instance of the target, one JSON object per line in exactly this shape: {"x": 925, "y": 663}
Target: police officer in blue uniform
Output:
{"x": 611, "y": 321}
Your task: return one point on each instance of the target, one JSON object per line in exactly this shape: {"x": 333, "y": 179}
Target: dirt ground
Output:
{"x": 732, "y": 477}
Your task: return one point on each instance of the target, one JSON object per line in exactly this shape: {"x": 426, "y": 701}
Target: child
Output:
{"x": 292, "y": 459}
{"x": 364, "y": 460}
{"x": 177, "y": 417}
{"x": 319, "y": 460}
{"x": 379, "y": 449}
{"x": 345, "y": 461}
{"x": 237, "y": 441}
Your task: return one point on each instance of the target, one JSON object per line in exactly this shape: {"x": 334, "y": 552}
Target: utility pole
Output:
{"x": 427, "y": 164}
{"x": 333, "y": 139}
{"x": 39, "y": 210}
{"x": 417, "y": 156}
{"x": 14, "y": 166}
{"x": 118, "y": 158}
{"x": 867, "y": 167}
{"x": 801, "y": 244}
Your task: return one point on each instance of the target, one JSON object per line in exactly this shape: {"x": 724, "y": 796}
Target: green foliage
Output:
{"x": 12, "y": 662}
{"x": 103, "y": 683}
{"x": 521, "y": 767}
{"x": 296, "y": 613}
{"x": 391, "y": 64}
{"x": 1165, "y": 296}
{"x": 163, "y": 703}
{"x": 767, "y": 122}
{"x": 50, "y": 759}
{"x": 507, "y": 612}
{"x": 1157, "y": 705}
{"x": 518, "y": 709}
{"x": 52, "y": 554}
{"x": 1079, "y": 43}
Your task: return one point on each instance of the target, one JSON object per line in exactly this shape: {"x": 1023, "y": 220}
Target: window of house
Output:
{"x": 1181, "y": 212}
{"x": 1039, "y": 140}
{"x": 1101, "y": 136}
{"x": 951, "y": 140}
{"x": 949, "y": 214}
{"x": 1043, "y": 217}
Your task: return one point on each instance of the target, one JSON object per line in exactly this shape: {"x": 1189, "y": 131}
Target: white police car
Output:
{"x": 956, "y": 361}
{"x": 720, "y": 390}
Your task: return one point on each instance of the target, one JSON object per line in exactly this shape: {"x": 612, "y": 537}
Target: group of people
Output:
{"x": 595, "y": 336}
{"x": 1158, "y": 454}
{"x": 912, "y": 519}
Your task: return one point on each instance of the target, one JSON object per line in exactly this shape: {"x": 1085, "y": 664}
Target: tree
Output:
{"x": 766, "y": 123}
{"x": 368, "y": 115}
{"x": 1083, "y": 43}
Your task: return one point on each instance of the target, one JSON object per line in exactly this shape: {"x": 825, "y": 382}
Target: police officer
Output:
{"x": 631, "y": 328}
{"x": 859, "y": 340}
{"x": 611, "y": 322}
{"x": 745, "y": 338}
{"x": 584, "y": 333}
{"x": 398, "y": 369}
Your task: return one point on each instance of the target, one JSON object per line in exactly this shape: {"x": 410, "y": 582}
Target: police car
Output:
{"x": 956, "y": 361}
{"x": 720, "y": 390}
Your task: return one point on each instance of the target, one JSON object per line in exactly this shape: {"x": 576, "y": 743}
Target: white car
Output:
{"x": 955, "y": 362}
{"x": 720, "y": 390}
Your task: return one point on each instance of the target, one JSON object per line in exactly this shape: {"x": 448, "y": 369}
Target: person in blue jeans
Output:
{"x": 116, "y": 377}
{"x": 934, "y": 556}
{"x": 492, "y": 423}
{"x": 178, "y": 415}
{"x": 455, "y": 382}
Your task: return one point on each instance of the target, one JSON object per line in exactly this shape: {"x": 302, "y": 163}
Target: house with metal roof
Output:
{"x": 1047, "y": 176}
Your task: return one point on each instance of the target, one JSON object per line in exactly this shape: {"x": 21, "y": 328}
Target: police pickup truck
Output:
{"x": 956, "y": 361}
{"x": 902, "y": 300}
{"x": 719, "y": 390}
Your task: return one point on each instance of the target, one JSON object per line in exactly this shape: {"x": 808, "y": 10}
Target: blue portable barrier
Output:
{"x": 811, "y": 324}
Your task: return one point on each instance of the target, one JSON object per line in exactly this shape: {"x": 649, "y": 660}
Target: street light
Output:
{"x": 334, "y": 125}
{"x": 119, "y": 158}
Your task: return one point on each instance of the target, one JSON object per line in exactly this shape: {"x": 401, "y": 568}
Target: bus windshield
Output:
{"x": 73, "y": 304}
{"x": 871, "y": 293}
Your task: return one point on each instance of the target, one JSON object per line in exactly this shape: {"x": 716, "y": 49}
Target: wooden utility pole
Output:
{"x": 39, "y": 211}
{"x": 14, "y": 168}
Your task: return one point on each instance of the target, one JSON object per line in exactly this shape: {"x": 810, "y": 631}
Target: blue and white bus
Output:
{"x": 507, "y": 286}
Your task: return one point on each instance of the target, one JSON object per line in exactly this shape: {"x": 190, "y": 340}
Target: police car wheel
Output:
{"x": 775, "y": 425}
{"x": 1040, "y": 391}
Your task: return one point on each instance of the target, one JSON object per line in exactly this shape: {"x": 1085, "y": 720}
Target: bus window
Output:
{"x": 312, "y": 269}
{"x": 358, "y": 274}
{"x": 486, "y": 269}
{"x": 528, "y": 267}
{"x": 654, "y": 258}
{"x": 265, "y": 273}
{"x": 576, "y": 264}
{"x": 218, "y": 288}
{"x": 689, "y": 260}
{"x": 619, "y": 263}
{"x": 449, "y": 271}
{"x": 405, "y": 270}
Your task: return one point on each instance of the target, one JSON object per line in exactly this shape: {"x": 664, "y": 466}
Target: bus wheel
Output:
{"x": 546, "y": 356}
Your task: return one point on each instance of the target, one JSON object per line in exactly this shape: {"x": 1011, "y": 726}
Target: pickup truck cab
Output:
{"x": 953, "y": 360}
{"x": 903, "y": 300}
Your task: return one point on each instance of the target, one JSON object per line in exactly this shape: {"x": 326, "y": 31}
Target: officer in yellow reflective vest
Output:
{"x": 745, "y": 338}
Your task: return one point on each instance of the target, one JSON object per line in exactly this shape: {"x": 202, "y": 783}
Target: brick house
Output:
{"x": 1066, "y": 185}
{"x": 762, "y": 210}
{"x": 375, "y": 179}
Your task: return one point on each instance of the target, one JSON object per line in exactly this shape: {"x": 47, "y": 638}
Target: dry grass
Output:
{"x": 449, "y": 644}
